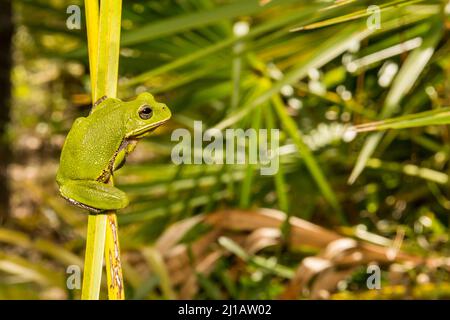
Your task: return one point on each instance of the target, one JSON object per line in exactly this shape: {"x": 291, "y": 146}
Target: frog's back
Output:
{"x": 89, "y": 147}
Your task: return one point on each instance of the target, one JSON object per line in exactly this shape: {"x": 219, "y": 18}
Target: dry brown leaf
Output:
{"x": 327, "y": 281}
{"x": 255, "y": 230}
{"x": 261, "y": 239}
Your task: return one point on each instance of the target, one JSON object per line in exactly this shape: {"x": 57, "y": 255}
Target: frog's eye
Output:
{"x": 145, "y": 112}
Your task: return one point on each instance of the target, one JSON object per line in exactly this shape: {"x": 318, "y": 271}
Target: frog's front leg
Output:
{"x": 93, "y": 195}
{"x": 126, "y": 148}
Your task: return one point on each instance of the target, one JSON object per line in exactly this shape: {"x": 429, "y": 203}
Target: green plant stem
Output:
{"x": 102, "y": 236}
{"x": 93, "y": 263}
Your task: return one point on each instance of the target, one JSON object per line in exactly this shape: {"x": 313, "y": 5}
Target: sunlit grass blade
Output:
{"x": 93, "y": 262}
{"x": 91, "y": 10}
{"x": 356, "y": 15}
{"x": 407, "y": 77}
{"x": 428, "y": 118}
{"x": 108, "y": 49}
{"x": 410, "y": 170}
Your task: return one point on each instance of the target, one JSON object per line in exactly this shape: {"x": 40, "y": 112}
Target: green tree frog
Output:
{"x": 98, "y": 144}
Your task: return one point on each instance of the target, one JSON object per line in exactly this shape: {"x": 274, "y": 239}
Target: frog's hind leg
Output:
{"x": 93, "y": 195}
{"x": 83, "y": 206}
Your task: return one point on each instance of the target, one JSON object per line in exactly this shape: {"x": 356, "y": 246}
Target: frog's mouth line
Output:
{"x": 146, "y": 130}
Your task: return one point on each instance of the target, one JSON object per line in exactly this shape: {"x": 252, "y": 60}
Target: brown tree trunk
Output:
{"x": 6, "y": 32}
